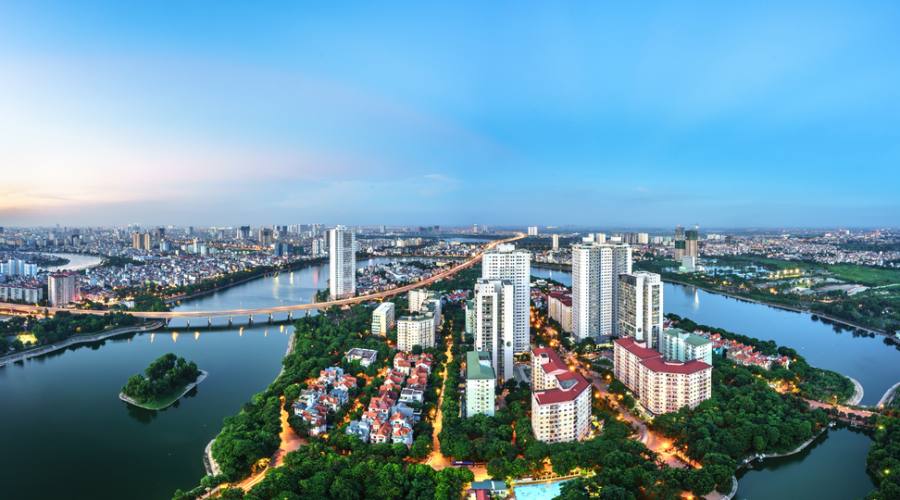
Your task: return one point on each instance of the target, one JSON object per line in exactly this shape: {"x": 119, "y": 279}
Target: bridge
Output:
{"x": 266, "y": 311}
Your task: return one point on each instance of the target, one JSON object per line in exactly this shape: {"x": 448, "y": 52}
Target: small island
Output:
{"x": 164, "y": 382}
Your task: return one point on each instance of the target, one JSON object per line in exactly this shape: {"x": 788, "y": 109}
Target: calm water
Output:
{"x": 832, "y": 468}
{"x": 867, "y": 359}
{"x": 67, "y": 435}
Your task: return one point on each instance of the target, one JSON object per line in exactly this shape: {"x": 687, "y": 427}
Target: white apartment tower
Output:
{"x": 495, "y": 324}
{"x": 641, "y": 307}
{"x": 415, "y": 330}
{"x": 341, "y": 263}
{"x": 595, "y": 287}
{"x": 383, "y": 319}
{"x": 506, "y": 263}
{"x": 61, "y": 289}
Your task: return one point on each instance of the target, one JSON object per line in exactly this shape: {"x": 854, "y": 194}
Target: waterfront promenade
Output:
{"x": 76, "y": 340}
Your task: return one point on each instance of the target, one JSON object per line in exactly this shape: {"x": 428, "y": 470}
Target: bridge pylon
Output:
{"x": 230, "y": 321}
{"x": 251, "y": 319}
{"x": 270, "y": 317}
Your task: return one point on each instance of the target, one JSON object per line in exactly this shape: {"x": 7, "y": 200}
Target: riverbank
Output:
{"x": 296, "y": 266}
{"x": 888, "y": 396}
{"x": 76, "y": 340}
{"x": 857, "y": 392}
{"x": 765, "y": 456}
{"x": 166, "y": 404}
{"x": 669, "y": 279}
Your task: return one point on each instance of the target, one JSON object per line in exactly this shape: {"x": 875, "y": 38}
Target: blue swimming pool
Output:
{"x": 540, "y": 491}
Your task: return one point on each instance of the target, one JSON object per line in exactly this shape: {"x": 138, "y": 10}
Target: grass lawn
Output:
{"x": 869, "y": 276}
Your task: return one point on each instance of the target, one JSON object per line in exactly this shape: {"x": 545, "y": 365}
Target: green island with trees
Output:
{"x": 877, "y": 307}
{"x": 164, "y": 382}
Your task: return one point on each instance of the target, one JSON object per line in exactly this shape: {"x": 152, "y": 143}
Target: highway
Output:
{"x": 37, "y": 310}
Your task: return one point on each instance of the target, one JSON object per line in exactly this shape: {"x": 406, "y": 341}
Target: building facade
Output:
{"x": 559, "y": 308}
{"x": 560, "y": 399}
{"x": 415, "y": 330}
{"x": 679, "y": 345}
{"x": 641, "y": 307}
{"x": 341, "y": 263}
{"x": 506, "y": 263}
{"x": 495, "y": 324}
{"x": 61, "y": 289}
{"x": 660, "y": 386}
{"x": 595, "y": 287}
{"x": 480, "y": 384}
{"x": 383, "y": 319}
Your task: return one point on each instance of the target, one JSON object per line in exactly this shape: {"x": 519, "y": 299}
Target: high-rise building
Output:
{"x": 495, "y": 324}
{"x": 560, "y": 399}
{"x": 341, "y": 262}
{"x": 692, "y": 243}
{"x": 417, "y": 299}
{"x": 137, "y": 242}
{"x": 641, "y": 307}
{"x": 264, "y": 236}
{"x": 383, "y": 318}
{"x": 480, "y": 384}
{"x": 595, "y": 288}
{"x": 61, "y": 289}
{"x": 148, "y": 242}
{"x": 532, "y": 230}
{"x": 599, "y": 237}
{"x": 470, "y": 317}
{"x": 555, "y": 242}
{"x": 559, "y": 308}
{"x": 415, "y": 330}
{"x": 678, "y": 345}
{"x": 243, "y": 233}
{"x": 679, "y": 243}
{"x": 661, "y": 386}
{"x": 504, "y": 262}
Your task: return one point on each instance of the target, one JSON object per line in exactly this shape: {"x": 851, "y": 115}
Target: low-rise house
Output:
{"x": 365, "y": 356}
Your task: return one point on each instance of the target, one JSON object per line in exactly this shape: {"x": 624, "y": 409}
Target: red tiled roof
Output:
{"x": 554, "y": 396}
{"x": 631, "y": 346}
{"x": 658, "y": 365}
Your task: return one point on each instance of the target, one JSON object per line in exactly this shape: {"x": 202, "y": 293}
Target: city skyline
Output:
{"x": 722, "y": 116}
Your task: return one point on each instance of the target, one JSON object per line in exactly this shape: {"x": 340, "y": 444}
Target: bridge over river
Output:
{"x": 267, "y": 311}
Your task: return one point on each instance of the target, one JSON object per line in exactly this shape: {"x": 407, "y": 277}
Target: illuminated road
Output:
{"x": 31, "y": 309}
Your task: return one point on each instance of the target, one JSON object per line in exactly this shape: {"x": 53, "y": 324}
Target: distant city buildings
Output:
{"x": 383, "y": 318}
{"x": 480, "y": 384}
{"x": 555, "y": 239}
{"x": 495, "y": 324}
{"x": 532, "y": 230}
{"x": 504, "y": 262}
{"x": 560, "y": 399}
{"x": 595, "y": 287}
{"x": 660, "y": 386}
{"x": 641, "y": 307}
{"x": 341, "y": 263}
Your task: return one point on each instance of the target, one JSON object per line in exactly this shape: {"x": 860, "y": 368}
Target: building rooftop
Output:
{"x": 661, "y": 366}
{"x": 478, "y": 366}
{"x": 633, "y": 347}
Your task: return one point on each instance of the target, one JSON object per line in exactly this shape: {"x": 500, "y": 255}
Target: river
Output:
{"x": 834, "y": 467}
{"x": 66, "y": 434}
{"x": 77, "y": 262}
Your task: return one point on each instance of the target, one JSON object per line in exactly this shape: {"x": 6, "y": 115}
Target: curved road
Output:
{"x": 30, "y": 309}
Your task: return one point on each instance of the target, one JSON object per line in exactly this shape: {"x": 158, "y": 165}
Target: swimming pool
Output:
{"x": 539, "y": 491}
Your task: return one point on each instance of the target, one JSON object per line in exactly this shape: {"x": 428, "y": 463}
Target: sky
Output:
{"x": 499, "y": 113}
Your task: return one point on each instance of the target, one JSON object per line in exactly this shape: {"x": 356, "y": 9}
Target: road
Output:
{"x": 31, "y": 309}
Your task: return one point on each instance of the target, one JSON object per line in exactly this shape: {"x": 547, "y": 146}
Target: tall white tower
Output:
{"x": 595, "y": 285}
{"x": 341, "y": 262}
{"x": 506, "y": 263}
{"x": 495, "y": 324}
{"x": 641, "y": 307}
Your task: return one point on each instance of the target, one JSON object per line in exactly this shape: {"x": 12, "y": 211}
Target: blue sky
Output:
{"x": 487, "y": 112}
